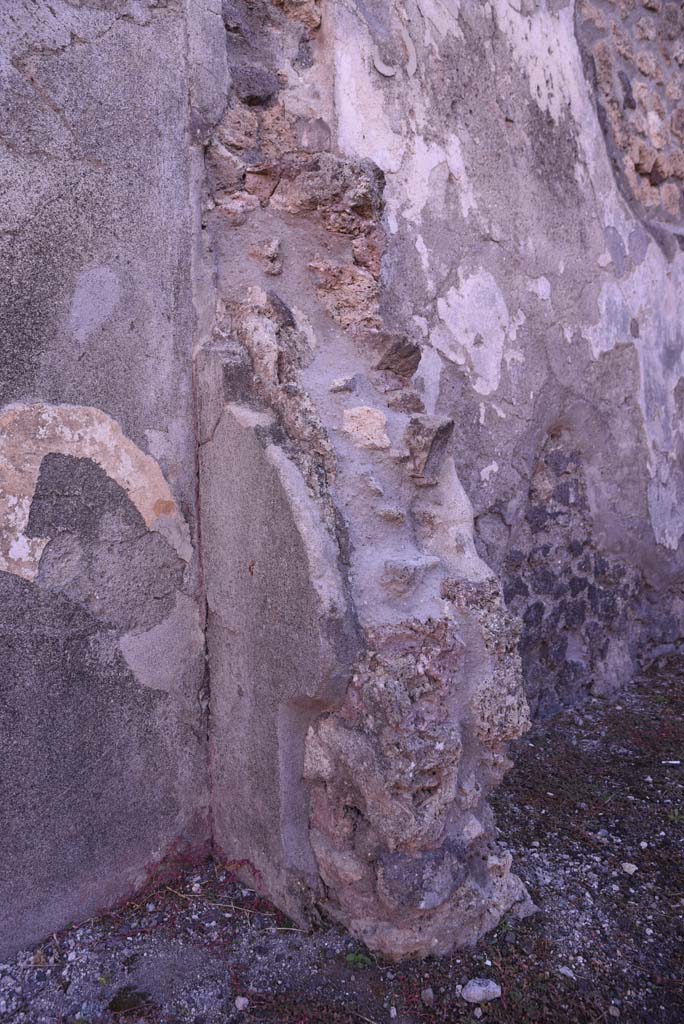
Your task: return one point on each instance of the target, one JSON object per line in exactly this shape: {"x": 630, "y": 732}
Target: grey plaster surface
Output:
{"x": 103, "y": 766}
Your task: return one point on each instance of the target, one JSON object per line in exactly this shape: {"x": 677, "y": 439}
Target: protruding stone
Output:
{"x": 269, "y": 255}
{"x": 427, "y": 438}
{"x": 238, "y": 128}
{"x": 308, "y": 12}
{"x": 392, "y": 514}
{"x": 344, "y": 193}
{"x": 237, "y": 206}
{"x": 400, "y": 576}
{"x": 261, "y": 182}
{"x": 367, "y": 251}
{"x": 366, "y": 426}
{"x": 349, "y": 293}
{"x": 254, "y": 85}
{"x": 343, "y": 385}
{"x": 225, "y": 171}
{"x": 401, "y": 358}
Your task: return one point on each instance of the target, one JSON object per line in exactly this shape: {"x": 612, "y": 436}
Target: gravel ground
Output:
{"x": 594, "y": 813}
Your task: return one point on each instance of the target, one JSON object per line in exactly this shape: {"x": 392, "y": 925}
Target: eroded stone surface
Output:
{"x": 403, "y": 837}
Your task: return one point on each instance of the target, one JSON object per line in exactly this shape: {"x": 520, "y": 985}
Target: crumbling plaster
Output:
{"x": 446, "y": 288}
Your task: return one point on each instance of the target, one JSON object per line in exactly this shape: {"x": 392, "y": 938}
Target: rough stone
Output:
{"x": 366, "y": 426}
{"x": 481, "y": 990}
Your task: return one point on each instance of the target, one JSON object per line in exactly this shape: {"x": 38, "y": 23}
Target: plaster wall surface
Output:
{"x": 102, "y": 724}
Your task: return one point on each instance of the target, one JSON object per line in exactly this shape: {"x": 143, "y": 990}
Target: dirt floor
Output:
{"x": 594, "y": 814}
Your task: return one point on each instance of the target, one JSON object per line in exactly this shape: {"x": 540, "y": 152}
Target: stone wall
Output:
{"x": 635, "y": 53}
{"x": 342, "y": 428}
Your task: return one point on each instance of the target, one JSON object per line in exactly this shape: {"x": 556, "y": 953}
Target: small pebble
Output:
{"x": 427, "y": 996}
{"x": 393, "y": 1012}
{"x": 481, "y": 990}
{"x": 342, "y": 384}
{"x": 628, "y": 868}
{"x": 613, "y": 1011}
{"x": 241, "y": 1003}
{"x": 477, "y": 1012}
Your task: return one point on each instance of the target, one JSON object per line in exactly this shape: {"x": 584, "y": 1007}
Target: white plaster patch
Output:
{"x": 440, "y": 16}
{"x": 422, "y": 323}
{"x": 29, "y": 432}
{"x": 420, "y": 183}
{"x": 541, "y": 286}
{"x": 476, "y": 322}
{"x": 427, "y": 378}
{"x": 416, "y": 173}
{"x": 545, "y": 47}
{"x": 97, "y": 295}
{"x": 466, "y": 195}
{"x": 544, "y": 44}
{"x": 424, "y": 255}
{"x": 363, "y": 129}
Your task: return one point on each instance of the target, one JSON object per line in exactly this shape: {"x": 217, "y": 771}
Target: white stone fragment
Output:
{"x": 481, "y": 990}
{"x": 366, "y": 427}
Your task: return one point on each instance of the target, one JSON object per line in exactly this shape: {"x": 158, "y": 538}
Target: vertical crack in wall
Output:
{"x": 208, "y": 82}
